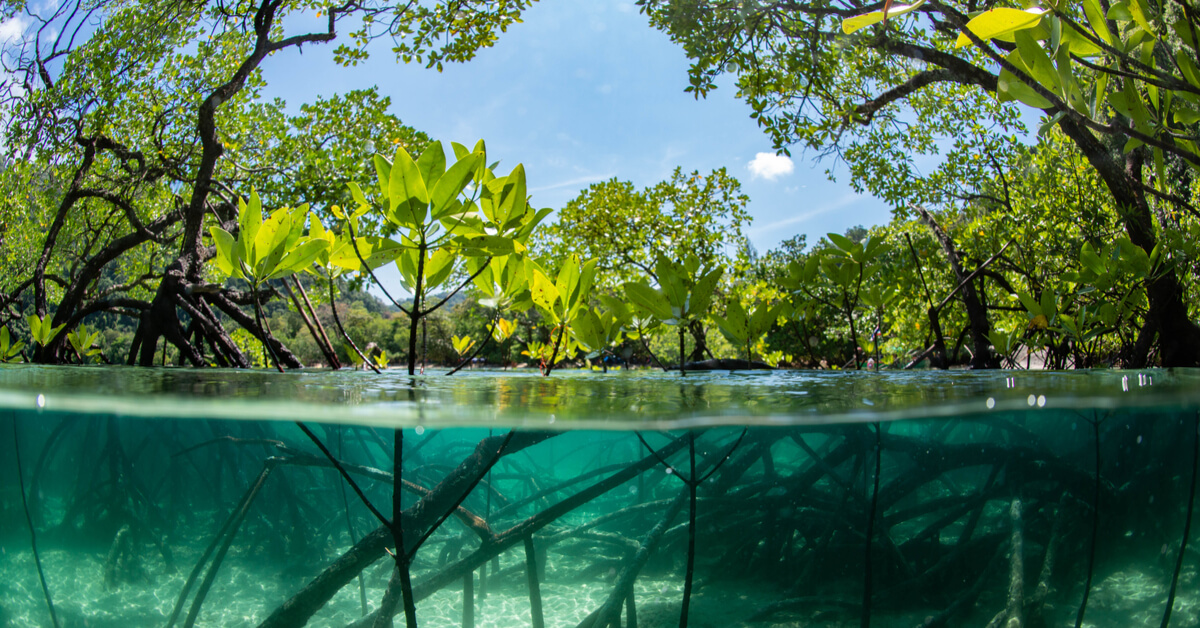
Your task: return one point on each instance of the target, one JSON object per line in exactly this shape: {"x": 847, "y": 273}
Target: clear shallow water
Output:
{"x": 790, "y": 529}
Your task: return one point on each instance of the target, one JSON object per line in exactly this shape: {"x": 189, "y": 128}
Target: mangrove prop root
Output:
{"x": 362, "y": 587}
{"x": 298, "y": 609}
{"x": 477, "y": 477}
{"x": 609, "y": 612}
{"x": 345, "y": 475}
{"x": 235, "y": 522}
{"x": 963, "y": 603}
{"x": 1044, "y": 588}
{"x": 535, "y": 590}
{"x": 37, "y": 559}
{"x": 391, "y": 597}
{"x": 501, "y": 542}
{"x": 1091, "y": 563}
{"x": 865, "y": 622}
{"x": 1187, "y": 524}
{"x": 692, "y": 481}
{"x": 1013, "y": 615}
{"x": 468, "y": 602}
{"x": 403, "y": 558}
{"x": 691, "y": 550}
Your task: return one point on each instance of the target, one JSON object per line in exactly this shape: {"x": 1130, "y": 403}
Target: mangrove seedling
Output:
{"x": 263, "y": 250}
{"x": 684, "y": 294}
{"x": 10, "y": 350}
{"x": 744, "y": 329}
{"x": 502, "y": 284}
{"x": 561, "y": 302}
{"x": 598, "y": 333}
{"x": 444, "y": 215}
{"x": 42, "y": 330}
{"x": 462, "y": 344}
{"x": 84, "y": 342}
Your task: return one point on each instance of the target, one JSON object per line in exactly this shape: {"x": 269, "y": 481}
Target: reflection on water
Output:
{"x": 581, "y": 399}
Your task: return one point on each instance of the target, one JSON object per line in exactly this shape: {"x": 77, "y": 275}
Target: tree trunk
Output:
{"x": 1178, "y": 336}
{"x": 976, "y": 312}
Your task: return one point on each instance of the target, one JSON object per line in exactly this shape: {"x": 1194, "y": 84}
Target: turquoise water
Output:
{"x": 821, "y": 499}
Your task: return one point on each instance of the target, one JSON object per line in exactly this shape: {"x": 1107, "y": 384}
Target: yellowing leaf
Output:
{"x": 1000, "y": 24}
{"x": 851, "y": 24}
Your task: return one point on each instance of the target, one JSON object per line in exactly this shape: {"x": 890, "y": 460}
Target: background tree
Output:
{"x": 140, "y": 120}
{"x": 624, "y": 229}
{"x": 884, "y": 96}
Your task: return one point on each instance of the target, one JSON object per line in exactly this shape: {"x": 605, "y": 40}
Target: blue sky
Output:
{"x": 582, "y": 91}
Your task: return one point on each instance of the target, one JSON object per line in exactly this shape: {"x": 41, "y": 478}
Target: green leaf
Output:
{"x": 568, "y": 279}
{"x": 1095, "y": 18}
{"x": 513, "y": 196}
{"x": 462, "y": 344}
{"x": 1140, "y": 13}
{"x": 490, "y": 245}
{"x": 736, "y": 324}
{"x": 383, "y": 172}
{"x": 438, "y": 267}
{"x": 1049, "y": 304}
{"x": 432, "y": 164}
{"x": 1029, "y": 303}
{"x": 843, "y": 243}
{"x": 1187, "y": 65}
{"x": 226, "y": 249}
{"x": 1120, "y": 12}
{"x": 407, "y": 195}
{"x": 298, "y": 258}
{"x": 761, "y": 321}
{"x": 1009, "y": 87}
{"x": 1000, "y": 23}
{"x": 451, "y": 184}
{"x": 543, "y": 291}
{"x": 1091, "y": 261}
{"x": 648, "y": 298}
{"x": 588, "y": 330}
{"x": 249, "y": 220}
{"x": 618, "y": 308}
{"x": 1036, "y": 63}
{"x": 375, "y": 250}
{"x": 357, "y": 193}
{"x": 702, "y": 292}
{"x": 8, "y": 352}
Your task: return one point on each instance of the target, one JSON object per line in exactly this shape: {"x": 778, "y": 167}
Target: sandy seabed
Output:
{"x": 248, "y": 589}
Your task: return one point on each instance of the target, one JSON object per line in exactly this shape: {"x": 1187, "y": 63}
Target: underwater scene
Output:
{"x": 171, "y": 498}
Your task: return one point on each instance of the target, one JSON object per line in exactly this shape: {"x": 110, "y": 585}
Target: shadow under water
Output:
{"x": 1042, "y": 516}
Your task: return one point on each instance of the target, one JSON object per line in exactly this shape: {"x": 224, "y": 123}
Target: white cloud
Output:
{"x": 12, "y": 30}
{"x": 770, "y": 166}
